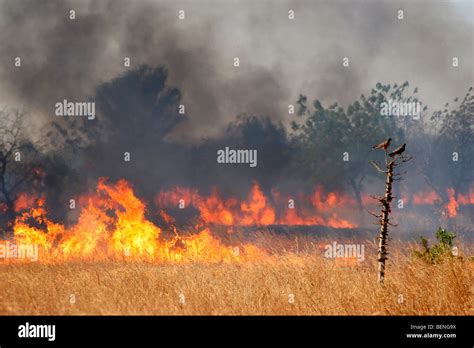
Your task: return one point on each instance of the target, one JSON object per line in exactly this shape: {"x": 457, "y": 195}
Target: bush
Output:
{"x": 441, "y": 250}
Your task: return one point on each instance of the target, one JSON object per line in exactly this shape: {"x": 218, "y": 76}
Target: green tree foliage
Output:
{"x": 327, "y": 133}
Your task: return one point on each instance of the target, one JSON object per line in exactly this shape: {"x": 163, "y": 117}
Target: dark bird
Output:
{"x": 383, "y": 145}
{"x": 397, "y": 151}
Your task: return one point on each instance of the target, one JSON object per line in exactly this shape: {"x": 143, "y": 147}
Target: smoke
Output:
{"x": 279, "y": 58}
{"x": 190, "y": 62}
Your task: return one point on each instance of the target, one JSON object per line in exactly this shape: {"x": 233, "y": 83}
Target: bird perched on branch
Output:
{"x": 383, "y": 145}
{"x": 399, "y": 150}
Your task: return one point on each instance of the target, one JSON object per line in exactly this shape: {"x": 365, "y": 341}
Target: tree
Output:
{"x": 335, "y": 143}
{"x": 449, "y": 160}
{"x": 18, "y": 167}
{"x": 392, "y": 160}
{"x": 135, "y": 111}
{"x": 268, "y": 138}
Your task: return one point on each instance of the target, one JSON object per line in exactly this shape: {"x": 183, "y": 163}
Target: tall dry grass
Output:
{"x": 319, "y": 287}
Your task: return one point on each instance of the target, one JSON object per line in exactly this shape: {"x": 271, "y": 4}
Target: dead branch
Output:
{"x": 377, "y": 167}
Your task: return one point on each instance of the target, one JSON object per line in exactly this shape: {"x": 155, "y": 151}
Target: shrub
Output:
{"x": 440, "y": 251}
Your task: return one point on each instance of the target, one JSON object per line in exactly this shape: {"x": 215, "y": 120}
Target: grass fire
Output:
{"x": 214, "y": 158}
{"x": 113, "y": 260}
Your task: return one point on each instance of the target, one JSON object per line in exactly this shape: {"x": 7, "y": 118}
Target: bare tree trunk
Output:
{"x": 384, "y": 220}
{"x": 392, "y": 160}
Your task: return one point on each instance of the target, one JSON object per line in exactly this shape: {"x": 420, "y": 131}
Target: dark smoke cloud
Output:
{"x": 279, "y": 58}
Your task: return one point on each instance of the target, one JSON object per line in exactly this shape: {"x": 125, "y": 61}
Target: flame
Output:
{"x": 113, "y": 224}
{"x": 166, "y": 217}
{"x": 426, "y": 198}
{"x": 24, "y": 201}
{"x": 468, "y": 198}
{"x": 452, "y": 206}
{"x": 258, "y": 210}
{"x": 454, "y": 200}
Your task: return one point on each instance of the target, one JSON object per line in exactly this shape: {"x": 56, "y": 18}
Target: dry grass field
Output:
{"x": 301, "y": 283}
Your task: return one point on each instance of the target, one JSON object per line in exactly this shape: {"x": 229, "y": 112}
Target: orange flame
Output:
{"x": 113, "y": 224}
{"x": 454, "y": 201}
{"x": 452, "y": 206}
{"x": 425, "y": 198}
{"x": 24, "y": 201}
{"x": 318, "y": 209}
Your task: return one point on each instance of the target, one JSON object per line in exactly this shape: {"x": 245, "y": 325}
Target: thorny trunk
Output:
{"x": 384, "y": 220}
